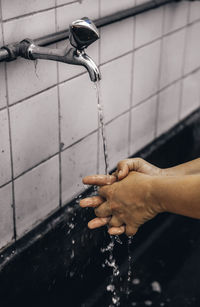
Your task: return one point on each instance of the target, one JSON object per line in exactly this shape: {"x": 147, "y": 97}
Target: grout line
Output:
{"x": 36, "y": 165}
{"x": 10, "y": 140}
{"x": 59, "y": 120}
{"x": 132, "y": 81}
{"x": 99, "y": 85}
{"x": 6, "y": 183}
{"x": 183, "y": 64}
{"x": 159, "y": 73}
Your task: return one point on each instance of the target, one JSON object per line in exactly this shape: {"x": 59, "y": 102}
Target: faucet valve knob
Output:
{"x": 83, "y": 32}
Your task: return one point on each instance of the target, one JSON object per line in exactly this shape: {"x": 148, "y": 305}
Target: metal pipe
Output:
{"x": 12, "y": 51}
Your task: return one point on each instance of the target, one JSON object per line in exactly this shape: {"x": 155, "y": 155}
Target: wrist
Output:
{"x": 156, "y": 194}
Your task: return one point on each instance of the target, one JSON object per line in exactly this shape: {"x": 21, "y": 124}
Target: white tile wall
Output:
{"x": 148, "y": 27}
{"x": 59, "y": 2}
{"x": 146, "y": 72}
{"x": 175, "y": 16}
{"x": 32, "y": 26}
{"x": 194, "y": 11}
{"x": 78, "y": 161}
{"x": 169, "y": 105}
{"x": 78, "y": 109}
{"x": 29, "y": 80}
{"x": 191, "y": 94}
{"x": 5, "y": 163}
{"x": 111, "y": 46}
{"x": 113, "y": 6}
{"x": 172, "y": 58}
{"x": 116, "y": 86}
{"x": 35, "y": 123}
{"x": 36, "y": 195}
{"x": 143, "y": 124}
{"x": 192, "y": 60}
{"x": 38, "y": 118}
{"x": 6, "y": 216}
{"x": 11, "y": 9}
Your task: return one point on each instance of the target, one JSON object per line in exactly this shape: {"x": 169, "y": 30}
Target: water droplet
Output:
{"x": 148, "y": 303}
{"x": 156, "y": 286}
{"x": 136, "y": 281}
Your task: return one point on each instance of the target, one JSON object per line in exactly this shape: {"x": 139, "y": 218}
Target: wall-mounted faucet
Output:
{"x": 83, "y": 32}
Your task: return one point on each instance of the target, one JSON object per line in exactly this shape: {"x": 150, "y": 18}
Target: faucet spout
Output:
{"x": 89, "y": 64}
{"x": 82, "y": 33}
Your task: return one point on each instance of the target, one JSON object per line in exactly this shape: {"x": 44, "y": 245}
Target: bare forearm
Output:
{"x": 178, "y": 194}
{"x": 189, "y": 168}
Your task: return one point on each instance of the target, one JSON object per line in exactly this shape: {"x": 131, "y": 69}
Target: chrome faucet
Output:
{"x": 83, "y": 32}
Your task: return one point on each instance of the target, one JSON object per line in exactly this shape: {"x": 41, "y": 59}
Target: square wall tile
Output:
{"x": 3, "y": 102}
{"x": 5, "y": 163}
{"x": 59, "y": 2}
{"x": 24, "y": 79}
{"x": 78, "y": 105}
{"x": 192, "y": 58}
{"x": 116, "y": 86}
{"x": 113, "y": 6}
{"x": 143, "y": 124}
{"x": 34, "y": 129}
{"x": 168, "y": 108}
{"x": 117, "y": 142}
{"x": 191, "y": 94}
{"x": 194, "y": 11}
{"x": 146, "y": 72}
{"x": 36, "y": 195}
{"x": 139, "y": 2}
{"x": 11, "y": 9}
{"x": 67, "y": 71}
{"x": 175, "y": 15}
{"x": 67, "y": 14}
{"x": 77, "y": 162}
{"x": 172, "y": 58}
{"x": 6, "y": 216}
{"x": 32, "y": 26}
{"x": 109, "y": 41}
{"x": 148, "y": 27}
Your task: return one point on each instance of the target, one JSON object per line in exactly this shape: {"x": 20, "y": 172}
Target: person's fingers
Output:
{"x": 116, "y": 231}
{"x": 122, "y": 169}
{"x": 105, "y": 191}
{"x": 115, "y": 222}
{"x": 131, "y": 230}
{"x": 103, "y": 210}
{"x": 99, "y": 179}
{"x": 98, "y": 222}
{"x": 93, "y": 202}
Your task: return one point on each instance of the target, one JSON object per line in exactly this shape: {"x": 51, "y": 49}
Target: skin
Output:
{"x": 138, "y": 191}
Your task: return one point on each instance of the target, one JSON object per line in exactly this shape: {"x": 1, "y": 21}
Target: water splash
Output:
{"x": 128, "y": 290}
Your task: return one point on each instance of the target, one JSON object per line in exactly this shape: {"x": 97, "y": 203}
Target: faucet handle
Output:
{"x": 83, "y": 32}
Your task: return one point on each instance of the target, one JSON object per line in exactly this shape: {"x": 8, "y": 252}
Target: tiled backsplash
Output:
{"x": 49, "y": 137}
